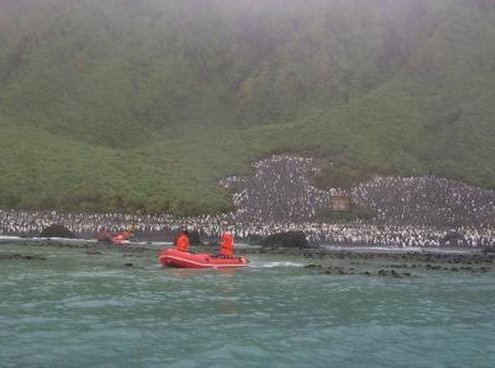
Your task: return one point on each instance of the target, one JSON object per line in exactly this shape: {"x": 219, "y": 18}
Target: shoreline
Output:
{"x": 244, "y": 248}
{"x": 330, "y": 260}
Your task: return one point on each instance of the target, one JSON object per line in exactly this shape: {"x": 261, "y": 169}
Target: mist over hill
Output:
{"x": 144, "y": 105}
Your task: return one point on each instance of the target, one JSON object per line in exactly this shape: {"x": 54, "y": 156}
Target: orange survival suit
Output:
{"x": 182, "y": 242}
{"x": 227, "y": 246}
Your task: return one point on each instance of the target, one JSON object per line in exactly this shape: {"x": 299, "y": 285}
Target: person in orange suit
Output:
{"x": 182, "y": 242}
{"x": 126, "y": 234}
{"x": 227, "y": 246}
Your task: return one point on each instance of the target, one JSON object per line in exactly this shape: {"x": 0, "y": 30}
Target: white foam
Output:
{"x": 275, "y": 264}
{"x": 157, "y": 243}
{"x": 371, "y": 248}
{"x": 5, "y": 237}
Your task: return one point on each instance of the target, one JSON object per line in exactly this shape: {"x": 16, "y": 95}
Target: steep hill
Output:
{"x": 120, "y": 104}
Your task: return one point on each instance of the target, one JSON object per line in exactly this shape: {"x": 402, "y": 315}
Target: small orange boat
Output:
{"x": 121, "y": 238}
{"x": 175, "y": 258}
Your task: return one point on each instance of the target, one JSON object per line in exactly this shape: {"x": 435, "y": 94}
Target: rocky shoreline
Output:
{"x": 408, "y": 266}
{"x": 395, "y": 263}
{"x": 428, "y": 255}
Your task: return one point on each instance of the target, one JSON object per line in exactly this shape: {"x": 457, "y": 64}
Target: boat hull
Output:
{"x": 176, "y": 258}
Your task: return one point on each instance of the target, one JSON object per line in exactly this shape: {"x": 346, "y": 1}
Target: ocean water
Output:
{"x": 90, "y": 310}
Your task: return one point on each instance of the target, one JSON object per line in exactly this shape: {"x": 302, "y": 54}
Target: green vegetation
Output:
{"x": 144, "y": 105}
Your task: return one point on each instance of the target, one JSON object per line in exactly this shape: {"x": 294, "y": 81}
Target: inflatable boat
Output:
{"x": 175, "y": 258}
{"x": 120, "y": 238}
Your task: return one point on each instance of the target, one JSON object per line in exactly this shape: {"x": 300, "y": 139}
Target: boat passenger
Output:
{"x": 182, "y": 242}
{"x": 227, "y": 246}
{"x": 126, "y": 234}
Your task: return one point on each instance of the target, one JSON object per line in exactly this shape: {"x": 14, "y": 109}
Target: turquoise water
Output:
{"x": 75, "y": 310}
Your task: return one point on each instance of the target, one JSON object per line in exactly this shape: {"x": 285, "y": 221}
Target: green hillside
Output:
{"x": 144, "y": 105}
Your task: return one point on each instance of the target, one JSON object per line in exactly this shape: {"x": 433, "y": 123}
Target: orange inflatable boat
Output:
{"x": 176, "y": 258}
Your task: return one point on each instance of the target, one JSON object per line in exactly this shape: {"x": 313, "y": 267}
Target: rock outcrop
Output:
{"x": 290, "y": 239}
{"x": 57, "y": 231}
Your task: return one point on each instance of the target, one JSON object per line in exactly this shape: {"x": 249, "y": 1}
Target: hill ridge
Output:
{"x": 120, "y": 105}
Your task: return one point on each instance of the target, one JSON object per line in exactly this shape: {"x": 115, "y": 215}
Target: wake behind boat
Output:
{"x": 181, "y": 257}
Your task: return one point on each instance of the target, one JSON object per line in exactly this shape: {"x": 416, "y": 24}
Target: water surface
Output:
{"x": 76, "y": 309}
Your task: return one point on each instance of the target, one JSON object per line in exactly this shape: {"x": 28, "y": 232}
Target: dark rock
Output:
{"x": 57, "y": 231}
{"x": 195, "y": 238}
{"x": 395, "y": 274}
{"x": 128, "y": 264}
{"x": 312, "y": 266}
{"x": 255, "y": 239}
{"x": 291, "y": 239}
{"x": 16, "y": 256}
{"x": 453, "y": 238}
{"x": 5, "y": 257}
